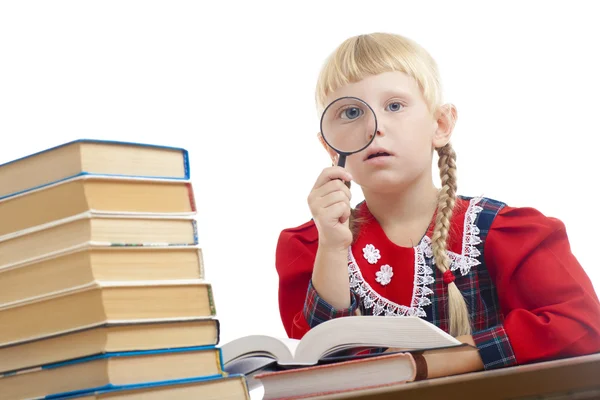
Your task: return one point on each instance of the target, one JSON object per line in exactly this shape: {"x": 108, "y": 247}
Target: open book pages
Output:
{"x": 328, "y": 338}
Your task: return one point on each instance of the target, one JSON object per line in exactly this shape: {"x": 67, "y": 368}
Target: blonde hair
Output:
{"x": 372, "y": 54}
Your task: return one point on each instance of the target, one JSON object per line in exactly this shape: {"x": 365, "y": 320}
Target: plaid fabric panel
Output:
{"x": 486, "y": 313}
{"x": 316, "y": 310}
{"x": 437, "y": 311}
{"x": 494, "y": 348}
{"x": 476, "y": 286}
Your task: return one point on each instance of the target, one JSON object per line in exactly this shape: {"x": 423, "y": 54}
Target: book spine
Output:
{"x": 186, "y": 163}
{"x": 219, "y": 360}
{"x": 191, "y": 196}
{"x": 201, "y": 270}
{"x": 195, "y": 227}
{"x": 218, "y": 331}
{"x": 211, "y": 301}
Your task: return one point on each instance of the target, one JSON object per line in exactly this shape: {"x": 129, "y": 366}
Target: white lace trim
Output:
{"x": 381, "y": 305}
{"x": 423, "y": 273}
{"x": 469, "y": 257}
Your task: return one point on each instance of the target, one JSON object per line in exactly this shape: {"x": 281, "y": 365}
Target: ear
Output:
{"x": 445, "y": 118}
{"x": 332, "y": 153}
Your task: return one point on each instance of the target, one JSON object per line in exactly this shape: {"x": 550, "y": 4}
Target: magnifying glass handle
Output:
{"x": 342, "y": 163}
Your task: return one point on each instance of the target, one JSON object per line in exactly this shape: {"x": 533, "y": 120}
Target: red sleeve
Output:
{"x": 294, "y": 260}
{"x": 549, "y": 303}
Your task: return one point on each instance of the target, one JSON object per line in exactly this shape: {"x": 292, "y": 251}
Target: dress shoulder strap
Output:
{"x": 489, "y": 210}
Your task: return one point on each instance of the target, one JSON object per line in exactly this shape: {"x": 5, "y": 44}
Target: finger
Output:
{"x": 331, "y": 187}
{"x": 332, "y": 173}
{"x": 333, "y": 198}
{"x": 335, "y": 211}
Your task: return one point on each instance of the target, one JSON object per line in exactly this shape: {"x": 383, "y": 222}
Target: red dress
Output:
{"x": 528, "y": 297}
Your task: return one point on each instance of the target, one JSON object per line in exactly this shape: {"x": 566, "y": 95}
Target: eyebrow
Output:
{"x": 397, "y": 93}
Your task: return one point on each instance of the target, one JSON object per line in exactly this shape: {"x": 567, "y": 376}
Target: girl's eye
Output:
{"x": 351, "y": 113}
{"x": 394, "y": 107}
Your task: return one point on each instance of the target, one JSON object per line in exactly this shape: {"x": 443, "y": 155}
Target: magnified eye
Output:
{"x": 351, "y": 113}
{"x": 395, "y": 106}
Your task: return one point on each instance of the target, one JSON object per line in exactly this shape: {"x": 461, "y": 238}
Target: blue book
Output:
{"x": 232, "y": 387}
{"x": 108, "y": 338}
{"x": 109, "y": 371}
{"x": 92, "y": 157}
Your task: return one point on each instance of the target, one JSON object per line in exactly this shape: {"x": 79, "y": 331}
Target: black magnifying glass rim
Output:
{"x": 346, "y": 153}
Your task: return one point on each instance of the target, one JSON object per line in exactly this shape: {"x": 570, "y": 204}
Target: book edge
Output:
{"x": 90, "y": 214}
{"x": 90, "y": 176}
{"x": 111, "y": 323}
{"x": 185, "y": 156}
{"x": 107, "y": 389}
{"x": 93, "y": 246}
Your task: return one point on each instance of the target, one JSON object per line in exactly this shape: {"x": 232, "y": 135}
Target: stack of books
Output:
{"x": 102, "y": 284}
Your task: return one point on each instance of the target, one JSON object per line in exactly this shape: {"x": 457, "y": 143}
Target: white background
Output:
{"x": 233, "y": 82}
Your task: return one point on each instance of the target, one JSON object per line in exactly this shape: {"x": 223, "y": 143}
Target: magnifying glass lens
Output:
{"x": 348, "y": 125}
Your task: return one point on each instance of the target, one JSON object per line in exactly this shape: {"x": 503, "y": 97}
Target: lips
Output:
{"x": 377, "y": 152}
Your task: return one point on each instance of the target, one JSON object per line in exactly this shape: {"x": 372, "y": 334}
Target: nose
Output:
{"x": 378, "y": 133}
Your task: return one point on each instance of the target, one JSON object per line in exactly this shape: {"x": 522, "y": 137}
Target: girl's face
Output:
{"x": 407, "y": 132}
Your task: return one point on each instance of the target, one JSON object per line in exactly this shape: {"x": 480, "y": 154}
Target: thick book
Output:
{"x": 96, "y": 228}
{"x": 108, "y": 338}
{"x": 382, "y": 370}
{"x": 336, "y": 335}
{"x": 100, "y": 303}
{"x": 232, "y": 387}
{"x": 96, "y": 194}
{"x": 108, "y": 370}
{"x": 92, "y": 157}
{"x": 559, "y": 379}
{"x": 82, "y": 265}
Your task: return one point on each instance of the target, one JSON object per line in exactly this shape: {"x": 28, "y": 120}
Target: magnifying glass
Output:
{"x": 348, "y": 125}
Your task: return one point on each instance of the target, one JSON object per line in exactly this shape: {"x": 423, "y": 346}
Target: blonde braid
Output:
{"x": 457, "y": 308}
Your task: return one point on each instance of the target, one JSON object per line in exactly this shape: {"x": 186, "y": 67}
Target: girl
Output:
{"x": 500, "y": 278}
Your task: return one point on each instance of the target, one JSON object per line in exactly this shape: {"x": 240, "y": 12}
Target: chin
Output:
{"x": 387, "y": 182}
{"x": 392, "y": 180}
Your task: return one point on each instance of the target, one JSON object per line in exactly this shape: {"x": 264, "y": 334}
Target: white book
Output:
{"x": 330, "y": 337}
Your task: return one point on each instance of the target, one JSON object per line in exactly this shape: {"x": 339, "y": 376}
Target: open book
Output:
{"x": 402, "y": 333}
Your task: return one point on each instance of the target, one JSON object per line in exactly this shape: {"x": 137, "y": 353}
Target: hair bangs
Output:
{"x": 373, "y": 54}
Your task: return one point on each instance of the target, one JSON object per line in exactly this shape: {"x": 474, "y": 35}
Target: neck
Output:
{"x": 406, "y": 206}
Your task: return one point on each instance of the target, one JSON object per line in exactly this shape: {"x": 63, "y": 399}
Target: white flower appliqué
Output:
{"x": 384, "y": 275}
{"x": 371, "y": 254}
